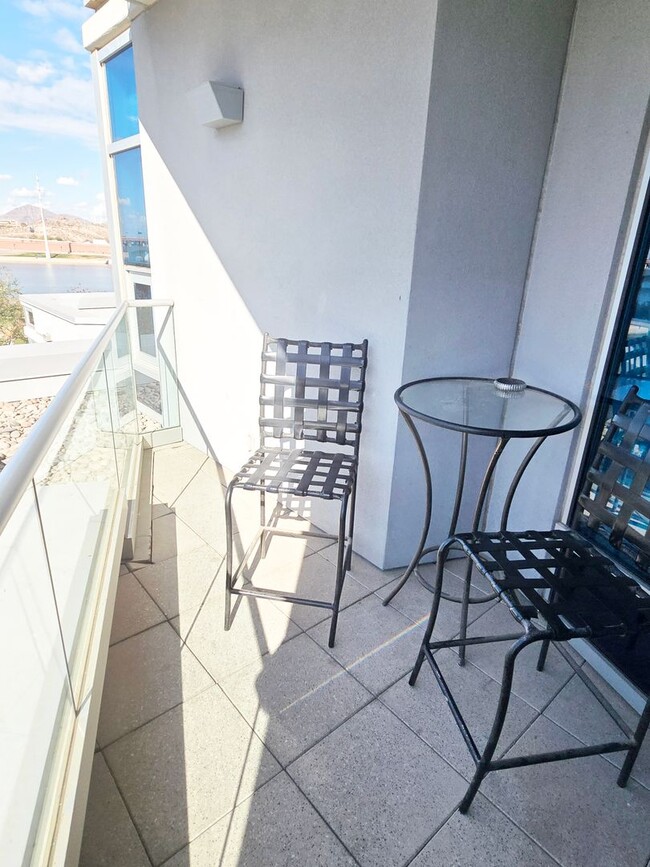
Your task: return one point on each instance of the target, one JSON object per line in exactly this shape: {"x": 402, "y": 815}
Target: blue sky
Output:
{"x": 47, "y": 111}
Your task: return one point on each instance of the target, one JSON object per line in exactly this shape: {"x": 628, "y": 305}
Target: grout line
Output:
{"x": 220, "y": 818}
{"x": 429, "y": 839}
{"x": 139, "y": 632}
{"x": 324, "y": 820}
{"x": 158, "y": 715}
{"x": 185, "y": 486}
{"x": 126, "y": 807}
{"x": 607, "y": 756}
{"x": 523, "y": 831}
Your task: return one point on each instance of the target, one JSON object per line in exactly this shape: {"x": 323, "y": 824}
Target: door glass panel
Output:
{"x": 629, "y": 362}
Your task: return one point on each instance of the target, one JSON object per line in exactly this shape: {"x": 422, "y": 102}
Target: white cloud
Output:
{"x": 68, "y": 182}
{"x": 71, "y": 10}
{"x": 23, "y": 193}
{"x": 98, "y": 211}
{"x": 63, "y": 106}
{"x": 34, "y": 73}
{"x": 67, "y": 41}
{"x": 5, "y": 177}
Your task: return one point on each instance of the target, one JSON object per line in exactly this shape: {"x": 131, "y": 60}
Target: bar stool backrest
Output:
{"x": 312, "y": 391}
{"x": 615, "y": 502}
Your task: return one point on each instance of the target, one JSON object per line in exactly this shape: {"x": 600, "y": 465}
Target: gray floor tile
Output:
{"x": 458, "y": 566}
{"x": 182, "y": 582}
{"x": 577, "y": 711}
{"x": 171, "y": 537}
{"x": 378, "y": 786}
{"x": 482, "y": 837}
{"x": 295, "y": 696}
{"x": 414, "y": 601}
{"x": 186, "y": 769}
{"x": 284, "y": 554}
{"x": 573, "y": 809}
{"x": 173, "y": 467}
{"x": 376, "y": 644}
{"x": 134, "y": 609}
{"x": 201, "y": 505}
{"x": 109, "y": 839}
{"x": 158, "y": 509}
{"x": 424, "y": 709}
{"x": 276, "y": 827}
{"x": 312, "y": 578}
{"x": 146, "y": 675}
{"x": 535, "y": 687}
{"x": 364, "y": 571}
{"x": 258, "y": 627}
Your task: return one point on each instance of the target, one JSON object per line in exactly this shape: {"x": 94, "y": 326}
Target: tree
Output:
{"x": 11, "y": 311}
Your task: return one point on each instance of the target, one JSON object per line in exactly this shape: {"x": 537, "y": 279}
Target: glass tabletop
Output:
{"x": 477, "y": 406}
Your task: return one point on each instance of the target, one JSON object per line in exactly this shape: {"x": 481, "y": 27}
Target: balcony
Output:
{"x": 259, "y": 746}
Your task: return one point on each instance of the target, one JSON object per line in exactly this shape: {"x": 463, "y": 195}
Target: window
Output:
{"x": 130, "y": 207}
{"x": 125, "y": 154}
{"x": 122, "y": 95}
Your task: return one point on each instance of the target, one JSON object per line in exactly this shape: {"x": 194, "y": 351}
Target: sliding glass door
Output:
{"x": 628, "y": 363}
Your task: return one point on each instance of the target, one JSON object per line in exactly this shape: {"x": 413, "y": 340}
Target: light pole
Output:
{"x": 39, "y": 190}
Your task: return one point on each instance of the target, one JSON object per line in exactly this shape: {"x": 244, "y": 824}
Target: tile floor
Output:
{"x": 263, "y": 747}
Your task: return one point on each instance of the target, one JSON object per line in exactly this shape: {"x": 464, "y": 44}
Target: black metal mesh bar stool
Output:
{"x": 560, "y": 585}
{"x": 309, "y": 392}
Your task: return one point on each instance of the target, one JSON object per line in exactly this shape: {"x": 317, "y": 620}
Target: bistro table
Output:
{"x": 502, "y": 408}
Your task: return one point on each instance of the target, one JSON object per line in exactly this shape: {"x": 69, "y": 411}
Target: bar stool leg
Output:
{"x": 464, "y": 611}
{"x": 340, "y": 571}
{"x": 229, "y": 543}
{"x": 632, "y": 754}
{"x": 483, "y": 766}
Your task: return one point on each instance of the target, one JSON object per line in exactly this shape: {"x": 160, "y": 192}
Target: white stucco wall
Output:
{"x": 369, "y": 194}
{"x": 302, "y": 220}
{"x": 591, "y": 184}
{"x": 497, "y": 70}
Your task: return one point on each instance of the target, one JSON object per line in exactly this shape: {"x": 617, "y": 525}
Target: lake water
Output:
{"x": 33, "y": 277}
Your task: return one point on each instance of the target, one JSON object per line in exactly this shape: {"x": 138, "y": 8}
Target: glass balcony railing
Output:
{"x": 63, "y": 500}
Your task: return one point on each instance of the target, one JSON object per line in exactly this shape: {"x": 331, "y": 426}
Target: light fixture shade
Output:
{"x": 217, "y": 105}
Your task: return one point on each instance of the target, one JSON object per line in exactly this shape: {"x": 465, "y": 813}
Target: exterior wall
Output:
{"x": 497, "y": 71}
{"x": 300, "y": 221}
{"x": 578, "y": 259}
{"x": 337, "y": 211}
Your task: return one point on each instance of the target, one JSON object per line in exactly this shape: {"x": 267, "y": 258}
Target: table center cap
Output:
{"x": 508, "y": 384}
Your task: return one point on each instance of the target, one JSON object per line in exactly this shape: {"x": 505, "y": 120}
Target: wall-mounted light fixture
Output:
{"x": 217, "y": 105}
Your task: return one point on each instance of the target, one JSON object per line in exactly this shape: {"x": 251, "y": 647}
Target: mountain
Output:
{"x": 25, "y": 222}
{"x": 27, "y": 214}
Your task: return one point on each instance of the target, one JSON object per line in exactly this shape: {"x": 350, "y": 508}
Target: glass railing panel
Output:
{"x": 36, "y": 703}
{"x": 118, "y": 364}
{"x": 166, "y": 343}
{"x": 154, "y": 365}
{"x": 77, "y": 489}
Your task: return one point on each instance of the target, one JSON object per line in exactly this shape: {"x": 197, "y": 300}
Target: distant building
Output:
{"x": 56, "y": 316}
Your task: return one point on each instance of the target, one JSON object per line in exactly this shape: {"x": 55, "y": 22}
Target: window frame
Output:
{"x": 111, "y": 148}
